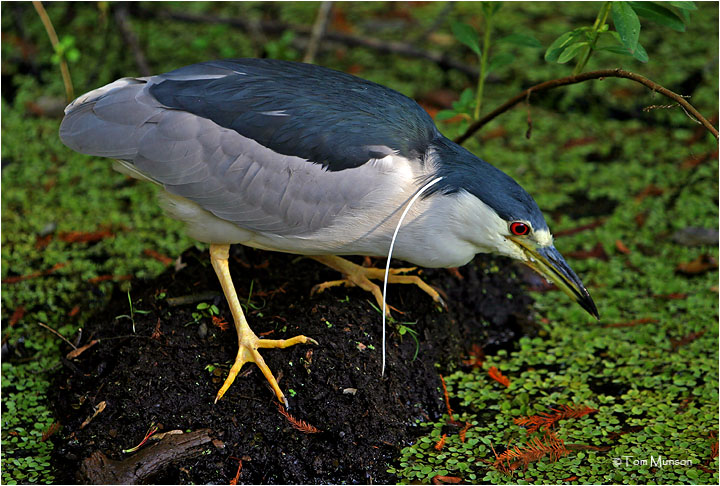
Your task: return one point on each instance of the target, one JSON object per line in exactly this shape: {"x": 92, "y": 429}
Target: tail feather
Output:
{"x": 98, "y": 93}
{"x": 109, "y": 121}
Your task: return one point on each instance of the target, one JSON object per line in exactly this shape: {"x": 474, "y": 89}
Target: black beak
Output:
{"x": 549, "y": 263}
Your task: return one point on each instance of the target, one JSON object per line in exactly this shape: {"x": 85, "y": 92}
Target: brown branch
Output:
{"x": 605, "y": 73}
{"x": 192, "y": 298}
{"x": 120, "y": 12}
{"x": 440, "y": 19}
{"x": 64, "y": 70}
{"x": 318, "y": 31}
{"x": 99, "y": 469}
{"x": 275, "y": 27}
{"x": 57, "y": 334}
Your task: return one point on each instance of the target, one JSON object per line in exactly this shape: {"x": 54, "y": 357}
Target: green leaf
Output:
{"x": 524, "y": 40}
{"x": 640, "y": 54}
{"x": 467, "y": 97}
{"x": 571, "y": 51}
{"x": 73, "y": 55}
{"x": 467, "y": 35}
{"x": 684, "y": 5}
{"x": 658, "y": 14}
{"x": 616, "y": 50}
{"x": 489, "y": 8}
{"x": 626, "y": 23}
{"x": 440, "y": 116}
{"x": 556, "y": 48}
{"x": 500, "y": 60}
{"x": 685, "y": 15}
{"x": 685, "y": 9}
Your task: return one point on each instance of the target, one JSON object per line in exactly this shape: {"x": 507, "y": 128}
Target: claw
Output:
{"x": 248, "y": 342}
{"x": 356, "y": 275}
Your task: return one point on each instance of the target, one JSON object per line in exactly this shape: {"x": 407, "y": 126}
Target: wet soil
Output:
{"x": 169, "y": 369}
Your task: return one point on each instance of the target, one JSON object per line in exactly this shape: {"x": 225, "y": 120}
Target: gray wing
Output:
{"x": 325, "y": 116}
{"x": 232, "y": 176}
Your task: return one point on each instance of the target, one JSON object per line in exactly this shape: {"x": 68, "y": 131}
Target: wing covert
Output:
{"x": 318, "y": 114}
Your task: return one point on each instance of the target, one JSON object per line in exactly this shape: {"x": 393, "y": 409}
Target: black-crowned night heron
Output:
{"x": 302, "y": 159}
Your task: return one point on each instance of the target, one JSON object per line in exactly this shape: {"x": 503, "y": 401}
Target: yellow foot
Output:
{"x": 361, "y": 276}
{"x": 248, "y": 345}
{"x": 248, "y": 342}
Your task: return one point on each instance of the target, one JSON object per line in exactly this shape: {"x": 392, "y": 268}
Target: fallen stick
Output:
{"x": 99, "y": 469}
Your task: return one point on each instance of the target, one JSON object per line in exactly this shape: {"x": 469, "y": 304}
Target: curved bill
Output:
{"x": 549, "y": 263}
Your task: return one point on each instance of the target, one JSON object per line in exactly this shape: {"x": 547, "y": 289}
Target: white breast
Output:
{"x": 438, "y": 231}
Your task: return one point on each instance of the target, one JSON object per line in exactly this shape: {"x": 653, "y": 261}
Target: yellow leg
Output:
{"x": 360, "y": 276}
{"x": 248, "y": 342}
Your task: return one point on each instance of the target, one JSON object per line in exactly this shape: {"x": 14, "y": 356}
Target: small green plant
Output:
{"x": 402, "y": 329}
{"x": 624, "y": 40}
{"x": 471, "y": 102}
{"x": 133, "y": 311}
{"x": 211, "y": 368}
{"x": 377, "y": 309}
{"x": 249, "y": 304}
{"x": 203, "y": 309}
{"x": 209, "y": 309}
{"x": 65, "y": 49}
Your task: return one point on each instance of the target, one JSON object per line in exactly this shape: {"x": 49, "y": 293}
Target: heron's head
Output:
{"x": 503, "y": 218}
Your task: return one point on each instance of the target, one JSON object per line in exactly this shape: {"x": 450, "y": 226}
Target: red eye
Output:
{"x": 519, "y": 229}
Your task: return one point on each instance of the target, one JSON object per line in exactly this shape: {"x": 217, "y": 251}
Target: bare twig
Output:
{"x": 67, "y": 81}
{"x": 78, "y": 351}
{"x": 39, "y": 273}
{"x": 402, "y": 49}
{"x": 440, "y": 19}
{"x": 96, "y": 411}
{"x": 605, "y": 73}
{"x": 670, "y": 106}
{"x": 120, "y": 12}
{"x": 318, "y": 30}
{"x": 275, "y": 27}
{"x": 99, "y": 469}
{"x": 528, "y": 133}
{"x": 659, "y": 107}
{"x": 192, "y": 298}
{"x": 57, "y": 334}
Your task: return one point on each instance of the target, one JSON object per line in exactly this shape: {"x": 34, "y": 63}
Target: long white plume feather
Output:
{"x": 387, "y": 266}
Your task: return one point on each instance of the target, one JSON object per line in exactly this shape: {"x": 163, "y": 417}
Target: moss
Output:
{"x": 667, "y": 397}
